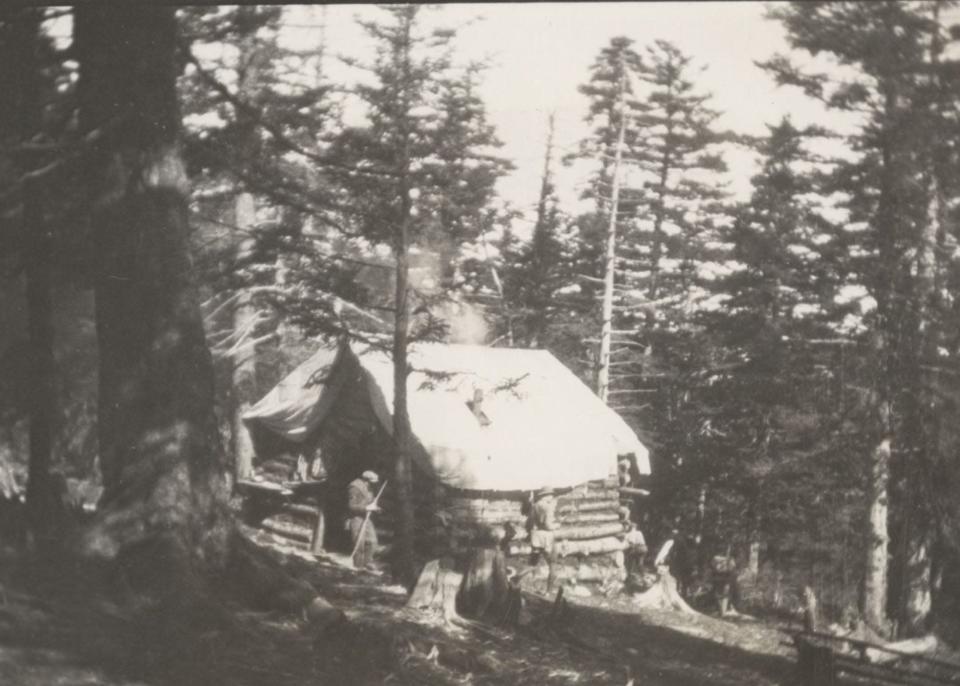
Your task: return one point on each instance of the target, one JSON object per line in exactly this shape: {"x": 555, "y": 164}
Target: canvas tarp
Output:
{"x": 546, "y": 428}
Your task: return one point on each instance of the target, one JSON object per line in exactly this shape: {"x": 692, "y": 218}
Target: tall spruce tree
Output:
{"x": 896, "y": 188}
{"x": 430, "y": 173}
{"x": 163, "y": 503}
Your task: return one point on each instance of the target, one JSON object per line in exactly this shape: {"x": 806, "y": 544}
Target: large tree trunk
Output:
{"x": 244, "y": 360}
{"x": 43, "y": 502}
{"x": 875, "y": 574}
{"x": 164, "y": 489}
{"x": 22, "y": 79}
{"x": 402, "y": 431}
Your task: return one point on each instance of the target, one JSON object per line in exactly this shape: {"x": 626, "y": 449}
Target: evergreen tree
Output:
{"x": 164, "y": 501}
{"x": 896, "y": 188}
{"x": 538, "y": 271}
{"x": 426, "y": 151}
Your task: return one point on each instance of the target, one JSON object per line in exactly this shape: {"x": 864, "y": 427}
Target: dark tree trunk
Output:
{"x": 164, "y": 489}
{"x": 42, "y": 501}
{"x": 23, "y": 86}
{"x": 402, "y": 432}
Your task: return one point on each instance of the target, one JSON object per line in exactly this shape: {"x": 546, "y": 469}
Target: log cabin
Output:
{"x": 491, "y": 427}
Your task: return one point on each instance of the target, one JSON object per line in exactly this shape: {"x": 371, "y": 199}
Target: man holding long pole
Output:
{"x": 361, "y": 504}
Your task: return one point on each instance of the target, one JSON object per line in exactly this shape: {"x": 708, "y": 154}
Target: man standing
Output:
{"x": 543, "y": 523}
{"x": 636, "y": 548}
{"x": 360, "y": 503}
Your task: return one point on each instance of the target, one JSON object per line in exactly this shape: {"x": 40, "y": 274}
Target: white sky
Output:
{"x": 540, "y": 52}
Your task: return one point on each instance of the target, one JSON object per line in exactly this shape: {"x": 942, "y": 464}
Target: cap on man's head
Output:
{"x": 370, "y": 476}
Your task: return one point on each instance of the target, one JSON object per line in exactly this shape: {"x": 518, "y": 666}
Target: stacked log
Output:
{"x": 588, "y": 518}
{"x": 293, "y": 522}
{"x": 278, "y": 468}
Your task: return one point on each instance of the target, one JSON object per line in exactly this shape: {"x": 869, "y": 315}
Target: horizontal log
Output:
{"x": 286, "y": 529}
{"x": 629, "y": 490}
{"x": 263, "y": 487}
{"x": 586, "y": 532}
{"x": 302, "y": 510}
{"x": 579, "y": 518}
{"x": 587, "y": 506}
{"x": 610, "y": 495}
{"x": 277, "y": 466}
{"x": 483, "y": 503}
{"x": 487, "y": 521}
{"x": 598, "y": 546}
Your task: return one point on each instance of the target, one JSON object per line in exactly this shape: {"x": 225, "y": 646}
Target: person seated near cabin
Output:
{"x": 360, "y": 504}
{"x": 682, "y": 564}
{"x": 635, "y": 551}
{"x": 723, "y": 578}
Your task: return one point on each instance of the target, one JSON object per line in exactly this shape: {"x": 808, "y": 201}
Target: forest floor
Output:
{"x": 53, "y": 638}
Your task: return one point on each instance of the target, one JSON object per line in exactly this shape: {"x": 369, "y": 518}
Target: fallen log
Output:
{"x": 912, "y": 646}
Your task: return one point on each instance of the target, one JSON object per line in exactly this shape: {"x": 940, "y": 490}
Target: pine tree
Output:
{"x": 430, "y": 174}
{"x": 164, "y": 498}
{"x": 895, "y": 191}
{"x": 27, "y": 69}
{"x": 778, "y": 300}
{"x": 538, "y": 270}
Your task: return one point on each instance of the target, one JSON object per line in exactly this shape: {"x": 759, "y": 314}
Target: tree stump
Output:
{"x": 436, "y": 590}
{"x": 483, "y": 594}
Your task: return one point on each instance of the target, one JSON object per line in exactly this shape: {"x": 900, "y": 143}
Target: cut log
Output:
{"x": 590, "y": 531}
{"x": 587, "y": 506}
{"x": 264, "y": 487}
{"x": 629, "y": 490}
{"x": 287, "y": 530}
{"x": 307, "y": 512}
{"x": 596, "y": 546}
{"x": 911, "y": 646}
{"x": 580, "y": 518}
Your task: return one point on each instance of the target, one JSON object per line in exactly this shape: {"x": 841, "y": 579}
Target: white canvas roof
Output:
{"x": 546, "y": 427}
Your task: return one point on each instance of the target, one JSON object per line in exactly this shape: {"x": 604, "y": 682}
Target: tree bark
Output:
{"x": 43, "y": 501}
{"x": 402, "y": 431}
{"x": 23, "y": 79}
{"x": 244, "y": 368}
{"x": 610, "y": 255}
{"x": 164, "y": 489}
{"x": 875, "y": 579}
